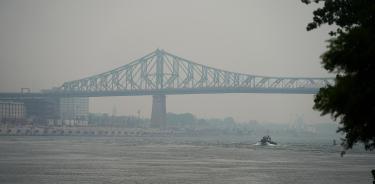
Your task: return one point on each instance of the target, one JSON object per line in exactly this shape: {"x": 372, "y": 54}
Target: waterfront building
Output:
{"x": 74, "y": 111}
{"x": 39, "y": 110}
{"x": 10, "y": 110}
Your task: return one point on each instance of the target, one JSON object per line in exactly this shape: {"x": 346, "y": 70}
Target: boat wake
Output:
{"x": 265, "y": 144}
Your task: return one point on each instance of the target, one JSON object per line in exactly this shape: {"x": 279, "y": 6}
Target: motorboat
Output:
{"x": 266, "y": 141}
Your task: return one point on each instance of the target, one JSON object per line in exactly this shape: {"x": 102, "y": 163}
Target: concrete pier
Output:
{"x": 159, "y": 112}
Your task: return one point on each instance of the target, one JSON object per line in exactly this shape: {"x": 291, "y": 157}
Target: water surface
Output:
{"x": 176, "y": 160}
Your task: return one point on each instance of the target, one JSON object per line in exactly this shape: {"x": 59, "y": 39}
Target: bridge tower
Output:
{"x": 158, "y": 116}
{"x": 159, "y": 112}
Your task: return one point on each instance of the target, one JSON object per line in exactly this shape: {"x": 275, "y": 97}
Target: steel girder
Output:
{"x": 165, "y": 73}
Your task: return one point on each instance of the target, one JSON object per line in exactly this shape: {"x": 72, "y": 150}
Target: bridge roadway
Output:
{"x": 15, "y": 95}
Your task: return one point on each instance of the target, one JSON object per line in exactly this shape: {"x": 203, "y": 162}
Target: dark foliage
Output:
{"x": 350, "y": 55}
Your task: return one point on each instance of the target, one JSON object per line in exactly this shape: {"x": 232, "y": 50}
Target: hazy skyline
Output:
{"x": 45, "y": 43}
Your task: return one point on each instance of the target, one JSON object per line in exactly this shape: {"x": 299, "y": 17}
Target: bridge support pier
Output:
{"x": 159, "y": 112}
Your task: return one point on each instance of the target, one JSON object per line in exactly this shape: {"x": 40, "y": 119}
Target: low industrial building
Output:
{"x": 46, "y": 111}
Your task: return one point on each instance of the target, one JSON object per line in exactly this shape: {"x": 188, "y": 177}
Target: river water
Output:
{"x": 42, "y": 159}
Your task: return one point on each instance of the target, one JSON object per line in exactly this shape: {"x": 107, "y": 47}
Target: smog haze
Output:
{"x": 46, "y": 43}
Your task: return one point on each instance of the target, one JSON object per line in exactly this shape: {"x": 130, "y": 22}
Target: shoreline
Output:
{"x": 81, "y": 131}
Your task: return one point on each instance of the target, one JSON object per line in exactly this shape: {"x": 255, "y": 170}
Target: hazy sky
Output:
{"x": 44, "y": 43}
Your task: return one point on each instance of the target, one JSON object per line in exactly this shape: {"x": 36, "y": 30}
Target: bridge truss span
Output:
{"x": 163, "y": 73}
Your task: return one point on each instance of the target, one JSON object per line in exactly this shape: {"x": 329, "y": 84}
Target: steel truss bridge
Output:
{"x": 161, "y": 73}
